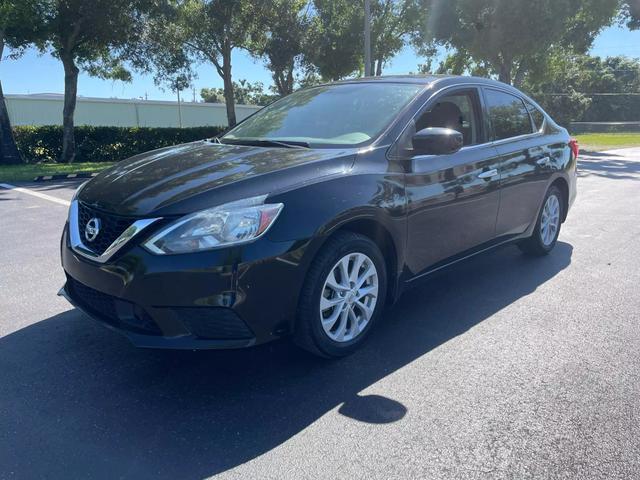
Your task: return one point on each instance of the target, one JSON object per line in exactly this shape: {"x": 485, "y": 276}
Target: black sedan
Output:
{"x": 312, "y": 214}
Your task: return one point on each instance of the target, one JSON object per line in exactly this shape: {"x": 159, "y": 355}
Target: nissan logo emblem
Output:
{"x": 92, "y": 229}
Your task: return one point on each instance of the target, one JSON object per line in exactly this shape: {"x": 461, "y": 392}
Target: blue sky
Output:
{"x": 35, "y": 73}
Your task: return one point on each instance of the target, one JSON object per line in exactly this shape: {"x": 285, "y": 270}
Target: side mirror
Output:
{"x": 437, "y": 141}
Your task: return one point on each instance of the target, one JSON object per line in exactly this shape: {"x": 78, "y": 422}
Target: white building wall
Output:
{"x": 47, "y": 110}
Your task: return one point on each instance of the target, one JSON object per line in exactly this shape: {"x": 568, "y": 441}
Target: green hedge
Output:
{"x": 103, "y": 144}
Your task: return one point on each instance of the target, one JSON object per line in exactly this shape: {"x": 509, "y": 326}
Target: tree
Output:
{"x": 212, "y": 29}
{"x": 392, "y": 23}
{"x": 286, "y": 23}
{"x": 159, "y": 49}
{"x": 631, "y": 13}
{"x": 512, "y": 35}
{"x": 89, "y": 35}
{"x": 245, "y": 93}
{"x": 18, "y": 28}
{"x": 460, "y": 62}
{"x": 333, "y": 47}
{"x": 571, "y": 88}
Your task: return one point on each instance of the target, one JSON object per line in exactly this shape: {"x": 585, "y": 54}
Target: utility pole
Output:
{"x": 179, "y": 108}
{"x": 367, "y": 38}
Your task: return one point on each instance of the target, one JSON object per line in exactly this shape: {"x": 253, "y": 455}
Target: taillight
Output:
{"x": 575, "y": 148}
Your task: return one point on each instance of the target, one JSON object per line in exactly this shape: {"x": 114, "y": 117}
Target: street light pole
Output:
{"x": 179, "y": 108}
{"x": 367, "y": 38}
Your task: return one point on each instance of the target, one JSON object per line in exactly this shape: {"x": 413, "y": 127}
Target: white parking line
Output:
{"x": 44, "y": 196}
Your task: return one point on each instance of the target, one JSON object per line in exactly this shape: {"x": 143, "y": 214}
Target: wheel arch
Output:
{"x": 563, "y": 185}
{"x": 382, "y": 237}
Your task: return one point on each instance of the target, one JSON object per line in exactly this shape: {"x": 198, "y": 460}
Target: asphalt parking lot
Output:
{"x": 504, "y": 367}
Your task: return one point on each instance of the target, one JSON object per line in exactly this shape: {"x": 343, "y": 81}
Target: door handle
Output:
{"x": 543, "y": 162}
{"x": 488, "y": 174}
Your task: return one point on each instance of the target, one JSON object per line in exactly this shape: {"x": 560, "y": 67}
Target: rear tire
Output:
{"x": 342, "y": 297}
{"x": 545, "y": 234}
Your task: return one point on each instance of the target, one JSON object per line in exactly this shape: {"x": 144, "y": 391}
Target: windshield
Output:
{"x": 329, "y": 115}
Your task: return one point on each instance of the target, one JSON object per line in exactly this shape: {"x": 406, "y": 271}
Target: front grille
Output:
{"x": 213, "y": 322}
{"x": 114, "y": 311}
{"x": 111, "y": 227}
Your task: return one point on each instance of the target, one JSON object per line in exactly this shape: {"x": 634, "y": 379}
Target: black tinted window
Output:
{"x": 536, "y": 115}
{"x": 456, "y": 111}
{"x": 508, "y": 115}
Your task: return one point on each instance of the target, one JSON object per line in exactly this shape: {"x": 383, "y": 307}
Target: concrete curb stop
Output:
{"x": 44, "y": 178}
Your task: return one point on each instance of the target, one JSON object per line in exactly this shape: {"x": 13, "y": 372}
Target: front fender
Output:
{"x": 312, "y": 213}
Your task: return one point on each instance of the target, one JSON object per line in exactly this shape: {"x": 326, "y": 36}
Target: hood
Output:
{"x": 164, "y": 181}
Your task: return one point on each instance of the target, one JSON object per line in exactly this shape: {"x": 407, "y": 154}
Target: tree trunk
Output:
{"x": 228, "y": 87}
{"x": 378, "y": 68}
{"x": 283, "y": 79}
{"x": 70, "y": 96}
{"x": 9, "y": 153}
{"x": 504, "y": 74}
{"x": 289, "y": 81}
{"x": 520, "y": 72}
{"x": 280, "y": 82}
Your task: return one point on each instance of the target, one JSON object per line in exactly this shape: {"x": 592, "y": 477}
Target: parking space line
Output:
{"x": 44, "y": 196}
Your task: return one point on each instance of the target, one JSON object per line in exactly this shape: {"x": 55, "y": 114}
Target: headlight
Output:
{"x": 229, "y": 224}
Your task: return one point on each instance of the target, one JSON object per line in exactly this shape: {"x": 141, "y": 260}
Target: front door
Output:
{"x": 452, "y": 199}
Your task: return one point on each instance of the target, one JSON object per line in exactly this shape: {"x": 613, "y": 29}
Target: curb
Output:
{"x": 44, "y": 178}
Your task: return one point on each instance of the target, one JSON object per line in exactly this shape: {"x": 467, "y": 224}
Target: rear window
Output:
{"x": 508, "y": 114}
{"x": 536, "y": 115}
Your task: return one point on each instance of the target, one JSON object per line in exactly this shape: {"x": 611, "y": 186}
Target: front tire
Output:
{"x": 545, "y": 234}
{"x": 342, "y": 297}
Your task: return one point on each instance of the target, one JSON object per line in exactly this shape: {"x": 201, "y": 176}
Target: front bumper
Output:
{"x": 228, "y": 298}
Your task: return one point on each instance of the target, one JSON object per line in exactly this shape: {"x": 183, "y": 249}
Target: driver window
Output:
{"x": 457, "y": 112}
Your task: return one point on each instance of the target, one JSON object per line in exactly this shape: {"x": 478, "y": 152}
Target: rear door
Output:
{"x": 452, "y": 199}
{"x": 525, "y": 159}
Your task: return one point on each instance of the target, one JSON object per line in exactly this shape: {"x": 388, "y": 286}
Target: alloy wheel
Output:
{"x": 550, "y": 220}
{"x": 349, "y": 297}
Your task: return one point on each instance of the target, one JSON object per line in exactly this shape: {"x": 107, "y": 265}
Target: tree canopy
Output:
{"x": 244, "y": 92}
{"x": 536, "y": 44}
{"x": 507, "y": 37}
{"x": 585, "y": 88}
{"x": 285, "y": 24}
{"x": 333, "y": 48}
{"x": 212, "y": 29}
{"x": 20, "y": 26}
{"x": 90, "y": 35}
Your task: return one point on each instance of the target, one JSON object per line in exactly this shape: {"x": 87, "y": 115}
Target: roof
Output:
{"x": 419, "y": 79}
{"x": 427, "y": 79}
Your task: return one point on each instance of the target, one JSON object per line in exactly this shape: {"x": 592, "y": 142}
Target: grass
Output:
{"x": 25, "y": 173}
{"x": 596, "y": 142}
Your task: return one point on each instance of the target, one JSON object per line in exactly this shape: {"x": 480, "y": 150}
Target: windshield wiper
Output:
{"x": 263, "y": 142}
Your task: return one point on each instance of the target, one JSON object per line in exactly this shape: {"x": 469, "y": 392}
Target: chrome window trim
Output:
{"x": 80, "y": 248}
{"x": 478, "y": 145}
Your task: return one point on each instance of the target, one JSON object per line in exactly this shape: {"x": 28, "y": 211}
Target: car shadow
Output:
{"x": 609, "y": 166}
{"x": 77, "y": 401}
